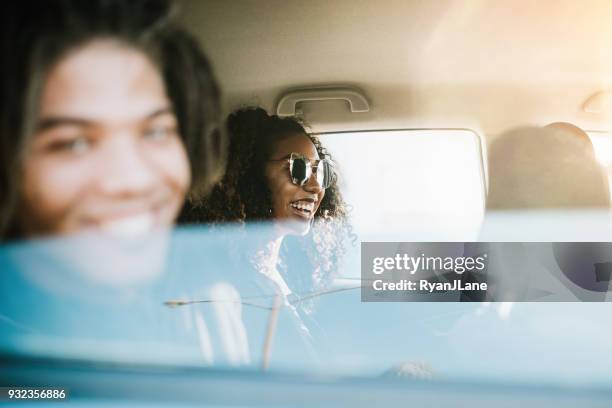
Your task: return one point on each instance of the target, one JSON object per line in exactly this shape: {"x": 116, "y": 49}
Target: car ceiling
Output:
{"x": 486, "y": 65}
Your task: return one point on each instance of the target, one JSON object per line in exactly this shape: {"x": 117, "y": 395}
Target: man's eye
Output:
{"x": 159, "y": 133}
{"x": 77, "y": 145}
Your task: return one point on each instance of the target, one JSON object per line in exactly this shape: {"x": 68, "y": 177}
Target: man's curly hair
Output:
{"x": 243, "y": 194}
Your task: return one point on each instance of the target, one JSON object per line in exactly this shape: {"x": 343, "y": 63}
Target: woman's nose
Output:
{"x": 313, "y": 185}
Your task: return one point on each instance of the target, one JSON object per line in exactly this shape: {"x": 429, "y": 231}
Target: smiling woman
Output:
{"x": 114, "y": 118}
{"x": 278, "y": 172}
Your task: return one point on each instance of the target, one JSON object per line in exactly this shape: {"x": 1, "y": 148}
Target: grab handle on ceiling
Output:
{"x": 287, "y": 104}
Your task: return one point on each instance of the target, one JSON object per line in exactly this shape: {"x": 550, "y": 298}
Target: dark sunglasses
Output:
{"x": 301, "y": 169}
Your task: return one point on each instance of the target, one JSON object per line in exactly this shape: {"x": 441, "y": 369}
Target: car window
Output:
{"x": 195, "y": 300}
{"x": 393, "y": 175}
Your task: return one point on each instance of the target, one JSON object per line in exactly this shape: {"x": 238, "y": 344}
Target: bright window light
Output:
{"x": 391, "y": 178}
{"x": 602, "y": 144}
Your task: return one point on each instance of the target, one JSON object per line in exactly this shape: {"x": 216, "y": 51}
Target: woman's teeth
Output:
{"x": 130, "y": 226}
{"x": 306, "y": 207}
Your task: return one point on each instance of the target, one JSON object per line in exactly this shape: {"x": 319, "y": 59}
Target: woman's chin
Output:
{"x": 294, "y": 226}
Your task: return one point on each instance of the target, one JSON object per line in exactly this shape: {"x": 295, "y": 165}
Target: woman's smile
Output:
{"x": 305, "y": 207}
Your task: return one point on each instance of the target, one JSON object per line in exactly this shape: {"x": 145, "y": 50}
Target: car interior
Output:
{"x": 426, "y": 107}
